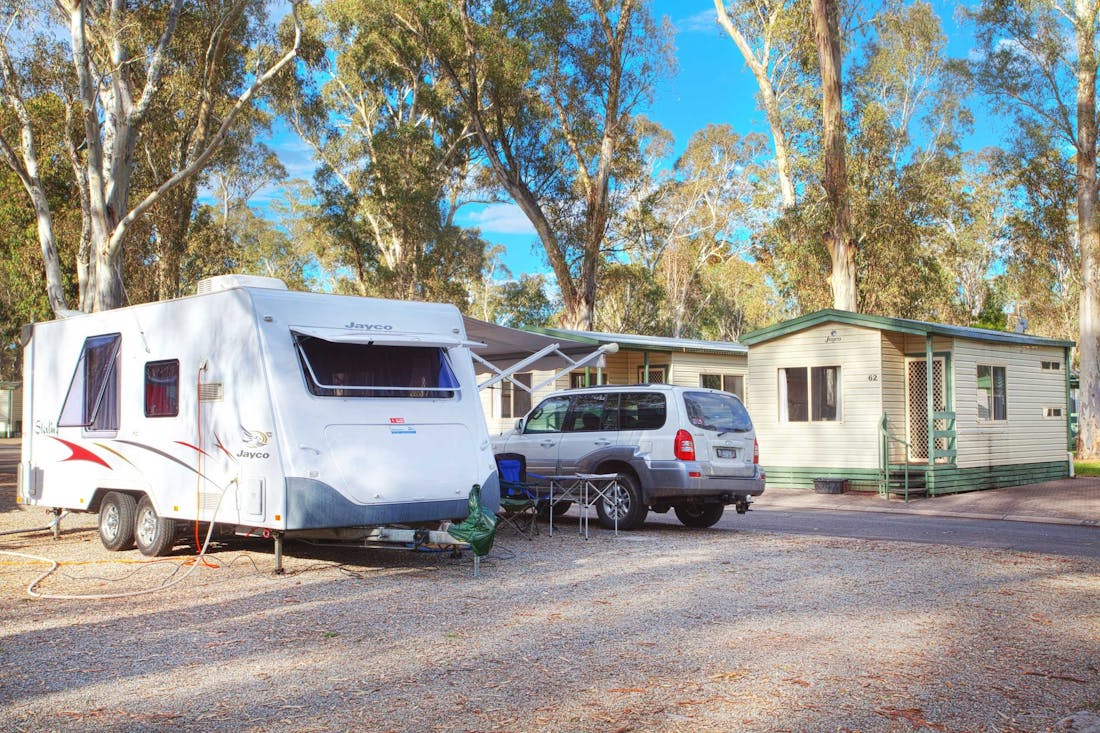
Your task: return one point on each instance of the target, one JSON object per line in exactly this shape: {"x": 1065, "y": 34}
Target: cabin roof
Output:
{"x": 898, "y": 325}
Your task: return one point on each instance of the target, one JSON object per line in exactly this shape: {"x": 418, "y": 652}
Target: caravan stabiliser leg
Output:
{"x": 56, "y": 522}
{"x": 278, "y": 552}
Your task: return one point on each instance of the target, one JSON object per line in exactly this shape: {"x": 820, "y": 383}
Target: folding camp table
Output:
{"x": 584, "y": 489}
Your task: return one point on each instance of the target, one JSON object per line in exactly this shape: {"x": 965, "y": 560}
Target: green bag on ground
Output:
{"x": 478, "y": 528}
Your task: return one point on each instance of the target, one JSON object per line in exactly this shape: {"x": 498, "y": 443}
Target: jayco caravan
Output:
{"x": 255, "y": 408}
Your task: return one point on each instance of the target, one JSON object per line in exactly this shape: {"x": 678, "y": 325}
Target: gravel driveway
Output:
{"x": 666, "y": 629}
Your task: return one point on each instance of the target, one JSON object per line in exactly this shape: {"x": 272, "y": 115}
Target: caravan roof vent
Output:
{"x": 228, "y": 282}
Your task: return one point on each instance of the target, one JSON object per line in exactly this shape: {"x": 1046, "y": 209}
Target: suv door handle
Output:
{"x": 548, "y": 443}
{"x": 602, "y": 441}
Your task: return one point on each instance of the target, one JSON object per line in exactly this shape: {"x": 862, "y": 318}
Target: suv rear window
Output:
{"x": 721, "y": 412}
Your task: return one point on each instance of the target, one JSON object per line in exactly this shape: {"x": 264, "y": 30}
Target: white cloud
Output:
{"x": 705, "y": 21}
{"x": 500, "y": 219}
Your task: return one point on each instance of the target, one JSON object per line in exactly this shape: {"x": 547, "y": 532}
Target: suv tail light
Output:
{"x": 685, "y": 446}
{"x": 755, "y": 451}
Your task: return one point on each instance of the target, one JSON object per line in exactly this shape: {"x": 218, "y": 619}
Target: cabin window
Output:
{"x": 162, "y": 388}
{"x": 515, "y": 401}
{"x": 809, "y": 394}
{"x": 1051, "y": 366}
{"x": 992, "y": 400}
{"x": 654, "y": 375}
{"x": 338, "y": 369}
{"x": 1052, "y": 412}
{"x": 92, "y": 399}
{"x": 732, "y": 383}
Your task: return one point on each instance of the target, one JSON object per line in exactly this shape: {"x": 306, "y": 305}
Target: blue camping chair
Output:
{"x": 519, "y": 499}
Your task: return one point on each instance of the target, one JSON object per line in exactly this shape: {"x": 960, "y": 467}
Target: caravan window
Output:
{"x": 92, "y": 399}
{"x": 162, "y": 388}
{"x": 374, "y": 370}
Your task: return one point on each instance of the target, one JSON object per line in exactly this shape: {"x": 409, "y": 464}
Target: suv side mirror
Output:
{"x": 519, "y": 424}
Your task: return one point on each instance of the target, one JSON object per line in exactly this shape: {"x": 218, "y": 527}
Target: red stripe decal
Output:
{"x": 80, "y": 454}
{"x": 219, "y": 442}
{"x": 192, "y": 447}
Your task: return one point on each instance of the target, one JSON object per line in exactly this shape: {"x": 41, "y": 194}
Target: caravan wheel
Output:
{"x": 155, "y": 535}
{"x": 116, "y": 521}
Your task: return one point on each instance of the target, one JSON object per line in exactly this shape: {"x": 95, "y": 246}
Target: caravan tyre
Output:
{"x": 116, "y": 521}
{"x": 155, "y": 535}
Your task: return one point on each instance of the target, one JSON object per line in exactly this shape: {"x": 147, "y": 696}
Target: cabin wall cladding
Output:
{"x": 1027, "y": 435}
{"x": 848, "y": 442}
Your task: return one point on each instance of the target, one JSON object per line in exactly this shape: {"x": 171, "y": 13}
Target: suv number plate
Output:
{"x": 726, "y": 452}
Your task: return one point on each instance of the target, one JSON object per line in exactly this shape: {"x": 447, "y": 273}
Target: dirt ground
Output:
{"x": 666, "y": 629}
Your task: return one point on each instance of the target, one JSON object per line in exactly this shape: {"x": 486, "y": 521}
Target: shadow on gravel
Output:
{"x": 7, "y": 493}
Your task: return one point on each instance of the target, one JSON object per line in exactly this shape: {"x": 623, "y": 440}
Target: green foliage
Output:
{"x": 1086, "y": 468}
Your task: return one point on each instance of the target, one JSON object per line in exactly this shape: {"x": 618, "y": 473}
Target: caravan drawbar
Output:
{"x": 258, "y": 409}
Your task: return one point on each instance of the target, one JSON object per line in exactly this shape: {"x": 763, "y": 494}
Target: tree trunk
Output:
{"x": 768, "y": 99}
{"x": 837, "y": 239}
{"x": 1088, "y": 346}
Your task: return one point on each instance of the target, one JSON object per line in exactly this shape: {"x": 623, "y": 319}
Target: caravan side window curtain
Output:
{"x": 162, "y": 388}
{"x": 992, "y": 397}
{"x": 333, "y": 369}
{"x": 92, "y": 399}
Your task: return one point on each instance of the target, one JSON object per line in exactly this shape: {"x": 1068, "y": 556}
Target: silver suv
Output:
{"x": 692, "y": 450}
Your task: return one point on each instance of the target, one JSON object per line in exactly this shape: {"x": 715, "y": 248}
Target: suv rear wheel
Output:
{"x": 699, "y": 514}
{"x": 623, "y": 502}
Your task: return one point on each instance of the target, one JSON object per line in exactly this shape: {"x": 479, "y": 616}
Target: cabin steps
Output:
{"x": 896, "y": 483}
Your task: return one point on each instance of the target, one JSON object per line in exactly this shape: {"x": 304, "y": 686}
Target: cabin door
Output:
{"x": 918, "y": 421}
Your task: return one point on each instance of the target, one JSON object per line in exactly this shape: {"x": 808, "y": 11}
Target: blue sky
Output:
{"x": 712, "y": 85}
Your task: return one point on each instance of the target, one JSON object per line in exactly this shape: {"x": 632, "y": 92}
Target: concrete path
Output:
{"x": 1067, "y": 501}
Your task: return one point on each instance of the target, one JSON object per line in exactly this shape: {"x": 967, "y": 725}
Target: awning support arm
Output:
{"x": 502, "y": 374}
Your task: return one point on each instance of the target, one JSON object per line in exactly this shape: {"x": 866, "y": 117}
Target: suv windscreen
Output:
{"x": 714, "y": 411}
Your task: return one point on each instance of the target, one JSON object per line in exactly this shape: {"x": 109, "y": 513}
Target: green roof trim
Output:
{"x": 898, "y": 325}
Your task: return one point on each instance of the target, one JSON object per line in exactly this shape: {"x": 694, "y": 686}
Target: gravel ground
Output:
{"x": 666, "y": 629}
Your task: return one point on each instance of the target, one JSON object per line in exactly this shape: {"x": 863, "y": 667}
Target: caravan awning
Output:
{"x": 509, "y": 350}
{"x": 505, "y": 347}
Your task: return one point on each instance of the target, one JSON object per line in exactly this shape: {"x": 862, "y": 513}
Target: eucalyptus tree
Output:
{"x": 109, "y": 76}
{"x": 1041, "y": 255}
{"x": 390, "y": 133}
{"x": 903, "y": 122}
{"x": 1038, "y": 64}
{"x": 550, "y": 90}
{"x": 770, "y": 35}
{"x": 694, "y": 216}
{"x": 906, "y": 169}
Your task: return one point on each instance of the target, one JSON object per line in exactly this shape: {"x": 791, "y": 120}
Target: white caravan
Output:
{"x": 258, "y": 409}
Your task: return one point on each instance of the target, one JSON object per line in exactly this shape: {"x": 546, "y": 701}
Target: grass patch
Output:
{"x": 1086, "y": 468}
